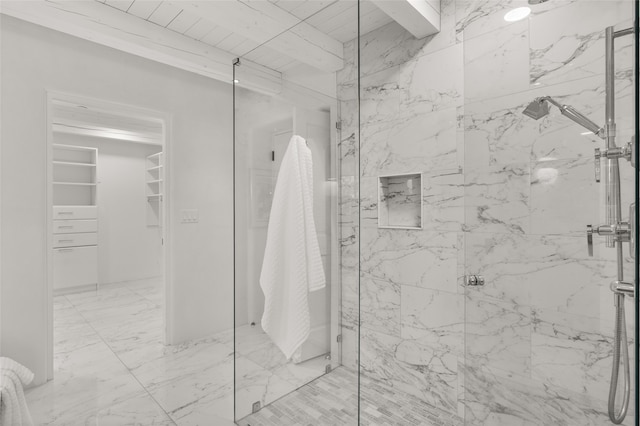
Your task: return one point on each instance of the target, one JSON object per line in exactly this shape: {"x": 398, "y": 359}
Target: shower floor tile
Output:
{"x": 333, "y": 400}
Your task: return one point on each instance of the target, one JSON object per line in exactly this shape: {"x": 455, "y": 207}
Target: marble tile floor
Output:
{"x": 111, "y": 366}
{"x": 333, "y": 400}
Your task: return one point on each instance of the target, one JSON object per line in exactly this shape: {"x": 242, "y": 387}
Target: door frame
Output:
{"x": 120, "y": 109}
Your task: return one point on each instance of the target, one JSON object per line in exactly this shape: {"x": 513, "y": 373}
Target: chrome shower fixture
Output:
{"x": 540, "y": 107}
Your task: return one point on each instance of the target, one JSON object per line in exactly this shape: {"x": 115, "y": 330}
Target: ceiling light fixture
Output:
{"x": 517, "y": 14}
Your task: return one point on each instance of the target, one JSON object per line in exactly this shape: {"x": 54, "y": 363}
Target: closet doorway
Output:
{"x": 107, "y": 207}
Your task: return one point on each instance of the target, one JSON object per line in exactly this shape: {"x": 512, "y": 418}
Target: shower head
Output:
{"x": 540, "y": 107}
{"x": 537, "y": 109}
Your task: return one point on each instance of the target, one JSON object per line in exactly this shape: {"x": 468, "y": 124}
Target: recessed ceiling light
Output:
{"x": 517, "y": 14}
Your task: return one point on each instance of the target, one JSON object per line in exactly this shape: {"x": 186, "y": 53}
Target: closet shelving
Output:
{"x": 74, "y": 175}
{"x": 75, "y": 218}
{"x": 155, "y": 187}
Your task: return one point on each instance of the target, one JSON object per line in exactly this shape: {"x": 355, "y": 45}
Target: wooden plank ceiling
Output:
{"x": 296, "y": 40}
{"x": 286, "y": 34}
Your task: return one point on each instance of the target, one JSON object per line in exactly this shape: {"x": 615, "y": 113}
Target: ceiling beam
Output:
{"x": 265, "y": 23}
{"x": 110, "y": 27}
{"x": 420, "y": 17}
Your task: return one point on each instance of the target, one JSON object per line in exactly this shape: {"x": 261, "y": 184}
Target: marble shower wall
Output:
{"x": 504, "y": 196}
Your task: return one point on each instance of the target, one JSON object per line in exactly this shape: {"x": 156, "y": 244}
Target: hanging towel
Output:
{"x": 13, "y": 406}
{"x": 292, "y": 265}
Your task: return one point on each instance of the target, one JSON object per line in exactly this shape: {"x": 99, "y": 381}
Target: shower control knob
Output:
{"x": 597, "y": 156}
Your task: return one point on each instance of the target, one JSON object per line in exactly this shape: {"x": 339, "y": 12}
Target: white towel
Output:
{"x": 292, "y": 265}
{"x": 13, "y": 405}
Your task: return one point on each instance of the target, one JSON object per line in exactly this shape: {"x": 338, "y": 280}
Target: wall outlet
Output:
{"x": 189, "y": 216}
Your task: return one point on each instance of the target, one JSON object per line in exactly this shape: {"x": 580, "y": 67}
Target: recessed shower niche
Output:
{"x": 400, "y": 201}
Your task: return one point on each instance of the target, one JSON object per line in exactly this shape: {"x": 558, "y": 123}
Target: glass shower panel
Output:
{"x": 539, "y": 311}
{"x": 292, "y": 121}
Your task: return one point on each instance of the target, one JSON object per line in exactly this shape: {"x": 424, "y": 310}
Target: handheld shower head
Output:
{"x": 539, "y": 107}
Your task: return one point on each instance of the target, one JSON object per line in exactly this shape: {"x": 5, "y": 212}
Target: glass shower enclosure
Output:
{"x": 474, "y": 194}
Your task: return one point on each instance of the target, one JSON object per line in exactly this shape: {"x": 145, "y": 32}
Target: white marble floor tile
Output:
{"x": 112, "y": 367}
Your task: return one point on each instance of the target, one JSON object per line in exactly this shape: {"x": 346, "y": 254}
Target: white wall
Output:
{"x": 128, "y": 249}
{"x": 34, "y": 59}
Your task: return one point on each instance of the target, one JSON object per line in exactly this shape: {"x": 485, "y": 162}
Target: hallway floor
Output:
{"x": 112, "y": 368}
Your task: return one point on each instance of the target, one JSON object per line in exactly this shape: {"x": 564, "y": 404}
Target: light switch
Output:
{"x": 189, "y": 216}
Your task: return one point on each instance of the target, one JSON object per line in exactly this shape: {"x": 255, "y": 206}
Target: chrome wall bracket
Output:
{"x": 627, "y": 152}
{"x": 623, "y": 287}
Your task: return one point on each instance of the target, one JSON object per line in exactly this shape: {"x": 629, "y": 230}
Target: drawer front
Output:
{"x": 75, "y": 240}
{"x": 74, "y": 226}
{"x": 75, "y": 266}
{"x": 75, "y": 212}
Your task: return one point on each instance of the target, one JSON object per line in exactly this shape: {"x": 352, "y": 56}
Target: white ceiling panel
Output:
{"x": 335, "y": 17}
{"x": 339, "y": 20}
{"x": 216, "y": 35}
{"x": 200, "y": 29}
{"x": 371, "y": 17}
{"x": 143, "y": 8}
{"x": 164, "y": 14}
{"x": 120, "y": 4}
{"x": 231, "y": 43}
{"x": 269, "y": 58}
{"x": 245, "y": 47}
{"x": 302, "y": 9}
{"x": 183, "y": 22}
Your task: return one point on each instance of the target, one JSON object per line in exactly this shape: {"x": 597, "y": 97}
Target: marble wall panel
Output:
{"x": 497, "y": 63}
{"x": 564, "y": 48}
{"x": 421, "y": 259}
{"x": 505, "y": 196}
{"x": 497, "y": 199}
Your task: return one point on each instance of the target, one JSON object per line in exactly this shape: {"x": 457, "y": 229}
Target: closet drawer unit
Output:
{"x": 75, "y": 266}
{"x": 74, "y": 226}
{"x": 74, "y": 212}
{"x": 75, "y": 240}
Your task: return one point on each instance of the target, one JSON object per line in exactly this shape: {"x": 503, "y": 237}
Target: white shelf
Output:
{"x": 74, "y": 147}
{"x": 75, "y": 183}
{"x": 154, "y": 184}
{"x": 73, "y": 164}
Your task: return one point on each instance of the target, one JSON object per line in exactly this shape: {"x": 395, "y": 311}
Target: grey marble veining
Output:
{"x": 564, "y": 48}
{"x": 497, "y": 63}
{"x": 497, "y": 199}
{"x": 408, "y": 257}
{"x": 501, "y": 401}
